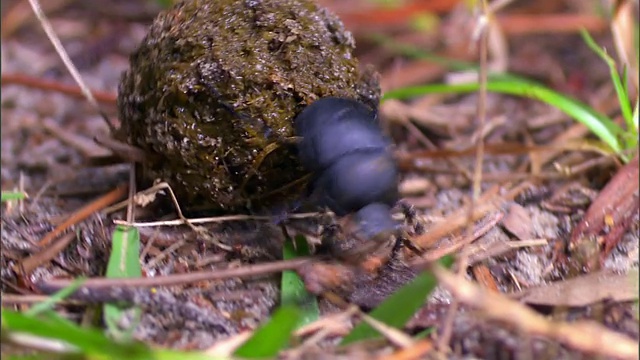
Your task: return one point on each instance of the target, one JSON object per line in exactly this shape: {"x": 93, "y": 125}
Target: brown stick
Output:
{"x": 71, "y": 90}
{"x": 85, "y": 212}
{"x": 53, "y": 285}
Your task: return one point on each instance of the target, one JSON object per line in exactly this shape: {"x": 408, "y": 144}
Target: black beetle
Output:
{"x": 344, "y": 148}
{"x": 353, "y": 171}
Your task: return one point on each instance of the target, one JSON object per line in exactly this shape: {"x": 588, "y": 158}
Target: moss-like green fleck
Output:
{"x": 212, "y": 75}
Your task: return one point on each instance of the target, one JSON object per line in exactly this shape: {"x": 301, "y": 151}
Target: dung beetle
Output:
{"x": 353, "y": 170}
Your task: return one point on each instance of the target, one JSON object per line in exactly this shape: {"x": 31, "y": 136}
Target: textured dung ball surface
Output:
{"x": 215, "y": 83}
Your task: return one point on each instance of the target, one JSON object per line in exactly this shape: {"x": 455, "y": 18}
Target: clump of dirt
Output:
{"x": 211, "y": 125}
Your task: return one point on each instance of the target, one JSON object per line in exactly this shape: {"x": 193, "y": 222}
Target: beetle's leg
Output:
{"x": 412, "y": 217}
{"x": 332, "y": 239}
{"x": 400, "y": 242}
{"x": 257, "y": 162}
{"x": 285, "y": 232}
{"x": 285, "y": 188}
{"x": 305, "y": 228}
{"x": 281, "y": 213}
{"x": 268, "y": 149}
{"x": 406, "y": 242}
{"x": 255, "y": 125}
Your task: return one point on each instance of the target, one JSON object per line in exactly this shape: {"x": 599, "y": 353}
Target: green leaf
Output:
{"x": 398, "y": 308}
{"x": 273, "y": 337}
{"x": 12, "y": 195}
{"x": 90, "y": 342}
{"x": 294, "y": 292}
{"x": 124, "y": 262}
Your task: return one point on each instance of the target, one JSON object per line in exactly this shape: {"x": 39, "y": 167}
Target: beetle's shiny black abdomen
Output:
{"x": 356, "y": 180}
{"x": 332, "y": 127}
{"x": 343, "y": 146}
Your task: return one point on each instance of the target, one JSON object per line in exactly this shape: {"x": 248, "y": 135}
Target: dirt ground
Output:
{"x": 526, "y": 230}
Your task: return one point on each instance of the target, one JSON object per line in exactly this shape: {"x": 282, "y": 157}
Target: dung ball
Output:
{"x": 213, "y": 89}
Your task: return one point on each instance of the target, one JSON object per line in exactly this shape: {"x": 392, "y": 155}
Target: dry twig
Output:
{"x": 84, "y": 213}
{"x": 55, "y": 41}
{"x": 53, "y": 285}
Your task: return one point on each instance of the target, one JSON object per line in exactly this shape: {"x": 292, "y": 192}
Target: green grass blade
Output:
{"x": 124, "y": 262}
{"x": 49, "y": 303}
{"x": 625, "y": 84}
{"x": 608, "y": 131}
{"x": 272, "y": 337}
{"x": 184, "y": 355}
{"x": 12, "y": 195}
{"x": 623, "y": 100}
{"x": 398, "y": 308}
{"x": 293, "y": 291}
{"x": 631, "y": 137}
{"x": 424, "y": 333}
{"x": 635, "y": 115}
{"x": 90, "y": 342}
{"x": 621, "y": 90}
{"x": 599, "y": 124}
{"x": 35, "y": 357}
